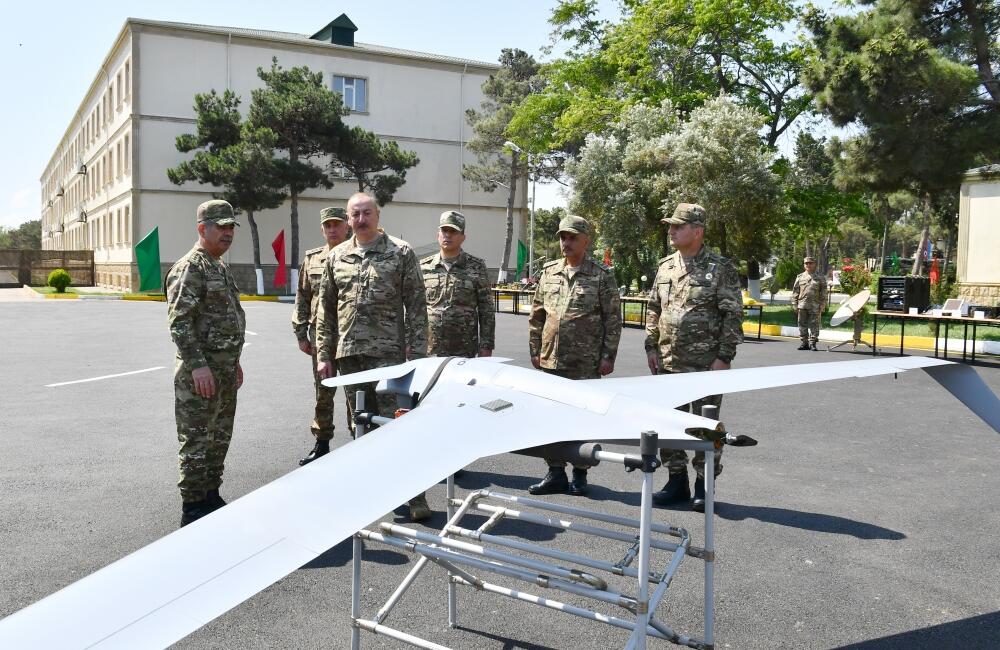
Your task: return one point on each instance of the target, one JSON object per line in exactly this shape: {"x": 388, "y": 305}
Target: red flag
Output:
{"x": 607, "y": 257}
{"x": 935, "y": 271}
{"x": 278, "y": 245}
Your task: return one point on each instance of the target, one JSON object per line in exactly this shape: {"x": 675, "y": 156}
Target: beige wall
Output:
{"x": 419, "y": 103}
{"x": 979, "y": 241}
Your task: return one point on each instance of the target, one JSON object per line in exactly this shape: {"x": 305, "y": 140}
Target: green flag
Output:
{"x": 522, "y": 257}
{"x": 147, "y": 258}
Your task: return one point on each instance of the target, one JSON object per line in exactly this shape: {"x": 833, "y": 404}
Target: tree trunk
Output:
{"x": 255, "y": 242}
{"x": 981, "y": 45}
{"x": 753, "y": 279}
{"x": 293, "y": 158}
{"x": 885, "y": 237}
{"x": 918, "y": 255}
{"x": 505, "y": 260}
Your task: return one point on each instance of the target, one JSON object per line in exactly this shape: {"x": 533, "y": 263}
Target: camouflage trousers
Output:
{"x": 204, "y": 426}
{"x": 675, "y": 460}
{"x": 809, "y": 324}
{"x": 568, "y": 373}
{"x": 386, "y": 403}
{"x": 322, "y": 424}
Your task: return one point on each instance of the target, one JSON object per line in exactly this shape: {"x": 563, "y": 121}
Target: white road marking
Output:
{"x": 251, "y": 333}
{"x": 121, "y": 374}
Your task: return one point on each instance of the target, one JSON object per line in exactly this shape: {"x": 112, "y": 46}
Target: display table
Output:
{"x": 948, "y": 321}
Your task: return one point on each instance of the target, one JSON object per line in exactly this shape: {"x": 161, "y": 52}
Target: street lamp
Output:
{"x": 531, "y": 218}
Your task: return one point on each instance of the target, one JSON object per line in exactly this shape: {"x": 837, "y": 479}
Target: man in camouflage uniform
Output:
{"x": 333, "y": 223}
{"x": 372, "y": 311}
{"x": 693, "y": 323}
{"x": 573, "y": 329}
{"x": 808, "y": 301}
{"x": 208, "y": 326}
{"x": 460, "y": 314}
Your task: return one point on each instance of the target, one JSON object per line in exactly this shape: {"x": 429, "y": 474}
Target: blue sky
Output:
{"x": 52, "y": 51}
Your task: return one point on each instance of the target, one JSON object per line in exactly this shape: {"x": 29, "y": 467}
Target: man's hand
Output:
{"x": 306, "y": 346}
{"x": 324, "y": 369}
{"x": 239, "y": 376}
{"x": 719, "y": 364}
{"x": 537, "y": 362}
{"x": 485, "y": 352}
{"x": 204, "y": 382}
{"x": 653, "y": 359}
{"x": 607, "y": 367}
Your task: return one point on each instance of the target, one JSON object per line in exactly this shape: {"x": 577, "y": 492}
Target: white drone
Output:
{"x": 163, "y": 592}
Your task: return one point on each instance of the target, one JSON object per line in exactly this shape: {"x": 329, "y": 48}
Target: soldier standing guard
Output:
{"x": 372, "y": 312}
{"x": 808, "y": 300}
{"x": 333, "y": 223}
{"x": 461, "y": 320}
{"x": 208, "y": 326}
{"x": 693, "y": 323}
{"x": 573, "y": 330}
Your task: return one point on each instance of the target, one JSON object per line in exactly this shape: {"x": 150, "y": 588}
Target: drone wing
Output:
{"x": 161, "y": 593}
{"x": 960, "y": 380}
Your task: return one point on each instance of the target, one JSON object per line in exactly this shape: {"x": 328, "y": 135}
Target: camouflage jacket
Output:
{"x": 460, "y": 314}
{"x": 371, "y": 302}
{"x": 307, "y": 294}
{"x": 203, "y": 309}
{"x": 809, "y": 291}
{"x": 695, "y": 311}
{"x": 575, "y": 321}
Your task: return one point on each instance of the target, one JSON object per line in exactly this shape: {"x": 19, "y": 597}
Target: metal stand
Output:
{"x": 468, "y": 553}
{"x": 856, "y": 341}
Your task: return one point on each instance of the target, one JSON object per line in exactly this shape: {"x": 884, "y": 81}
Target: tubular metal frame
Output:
{"x": 462, "y": 553}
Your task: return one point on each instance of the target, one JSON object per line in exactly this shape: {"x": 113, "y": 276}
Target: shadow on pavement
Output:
{"x": 806, "y": 520}
{"x": 508, "y": 643}
{"x": 340, "y": 555}
{"x": 978, "y": 632}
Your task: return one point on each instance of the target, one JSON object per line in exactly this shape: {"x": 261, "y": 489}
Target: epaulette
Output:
{"x": 428, "y": 259}
{"x": 601, "y": 265}
{"x": 552, "y": 263}
{"x": 663, "y": 259}
{"x": 313, "y": 251}
{"x": 475, "y": 260}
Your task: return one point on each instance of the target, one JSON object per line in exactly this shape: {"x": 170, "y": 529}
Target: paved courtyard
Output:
{"x": 868, "y": 516}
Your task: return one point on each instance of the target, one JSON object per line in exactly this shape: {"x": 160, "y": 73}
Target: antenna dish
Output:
{"x": 850, "y": 307}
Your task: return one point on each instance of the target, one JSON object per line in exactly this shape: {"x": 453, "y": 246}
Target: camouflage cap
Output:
{"x": 686, "y": 213}
{"x": 574, "y": 224}
{"x": 453, "y": 219}
{"x": 808, "y": 259}
{"x": 218, "y": 212}
{"x": 326, "y": 214}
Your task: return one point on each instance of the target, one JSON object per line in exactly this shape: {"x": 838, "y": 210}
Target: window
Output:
{"x": 127, "y": 153}
{"x": 128, "y": 226}
{"x": 354, "y": 91}
{"x": 118, "y": 91}
{"x": 128, "y": 79}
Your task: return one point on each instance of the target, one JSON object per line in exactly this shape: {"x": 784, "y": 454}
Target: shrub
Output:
{"x": 59, "y": 279}
{"x": 785, "y": 272}
{"x": 854, "y": 277}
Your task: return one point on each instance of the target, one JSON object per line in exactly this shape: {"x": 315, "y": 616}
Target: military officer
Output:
{"x": 574, "y": 328}
{"x": 208, "y": 326}
{"x": 808, "y": 301}
{"x": 460, "y": 314}
{"x": 372, "y": 311}
{"x": 333, "y": 223}
{"x": 693, "y": 323}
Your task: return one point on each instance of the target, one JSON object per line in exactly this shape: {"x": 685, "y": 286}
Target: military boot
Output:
{"x": 214, "y": 500}
{"x": 419, "y": 510}
{"x": 698, "y": 502}
{"x": 193, "y": 511}
{"x": 578, "y": 486}
{"x": 675, "y": 491}
{"x": 812, "y": 346}
{"x": 555, "y": 482}
{"x": 322, "y": 448}
{"x": 804, "y": 346}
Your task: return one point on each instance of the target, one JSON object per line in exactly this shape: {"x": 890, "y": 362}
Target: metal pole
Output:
{"x": 356, "y": 594}
{"x": 359, "y": 407}
{"x": 709, "y": 547}
{"x": 452, "y": 588}
{"x": 531, "y": 222}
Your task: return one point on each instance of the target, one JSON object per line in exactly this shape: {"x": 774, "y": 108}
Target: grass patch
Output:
{"x": 73, "y": 290}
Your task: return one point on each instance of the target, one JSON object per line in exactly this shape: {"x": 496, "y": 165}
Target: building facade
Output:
{"x": 106, "y": 186}
{"x": 978, "y": 268}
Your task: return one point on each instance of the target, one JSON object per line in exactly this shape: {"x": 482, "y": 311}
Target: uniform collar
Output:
{"x": 586, "y": 266}
{"x": 455, "y": 261}
{"x": 379, "y": 245}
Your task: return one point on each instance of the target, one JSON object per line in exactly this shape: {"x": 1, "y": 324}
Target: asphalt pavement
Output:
{"x": 866, "y": 518}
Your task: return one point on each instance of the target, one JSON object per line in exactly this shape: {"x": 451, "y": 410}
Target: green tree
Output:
{"x": 546, "y": 237}
{"x": 498, "y": 165}
{"x": 920, "y": 78}
{"x": 305, "y": 117}
{"x": 234, "y": 156}
{"x": 665, "y": 49}
{"x": 27, "y": 236}
{"x": 379, "y": 167}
